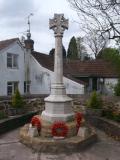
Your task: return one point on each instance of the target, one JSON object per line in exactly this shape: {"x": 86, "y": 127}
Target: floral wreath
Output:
{"x": 59, "y": 129}
{"x": 35, "y": 121}
{"x": 78, "y": 118}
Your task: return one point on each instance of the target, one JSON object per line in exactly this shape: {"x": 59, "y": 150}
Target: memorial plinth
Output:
{"x": 58, "y": 106}
{"x": 59, "y": 128}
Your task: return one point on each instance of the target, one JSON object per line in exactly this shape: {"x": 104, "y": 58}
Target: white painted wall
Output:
{"x": 41, "y": 79}
{"x": 7, "y": 74}
{"x": 109, "y": 85}
{"x": 72, "y": 87}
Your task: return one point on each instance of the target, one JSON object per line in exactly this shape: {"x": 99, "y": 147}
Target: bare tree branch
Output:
{"x": 100, "y": 15}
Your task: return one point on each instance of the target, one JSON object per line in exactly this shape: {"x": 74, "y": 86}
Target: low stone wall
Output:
{"x": 29, "y": 106}
{"x": 109, "y": 127}
{"x": 15, "y": 122}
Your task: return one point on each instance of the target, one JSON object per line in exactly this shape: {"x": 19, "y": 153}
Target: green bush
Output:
{"x": 17, "y": 100}
{"x": 2, "y": 115}
{"x": 117, "y": 88}
{"x": 116, "y": 118}
{"x": 95, "y": 101}
{"x": 110, "y": 115}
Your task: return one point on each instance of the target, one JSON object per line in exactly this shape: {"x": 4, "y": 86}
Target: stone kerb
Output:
{"x": 51, "y": 145}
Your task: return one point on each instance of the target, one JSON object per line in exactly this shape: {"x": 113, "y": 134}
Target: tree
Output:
{"x": 52, "y": 51}
{"x": 95, "y": 42}
{"x": 95, "y": 101}
{"x": 112, "y": 55}
{"x": 17, "y": 100}
{"x": 117, "y": 88}
{"x": 108, "y": 53}
{"x": 72, "y": 52}
{"x": 82, "y": 51}
{"x": 64, "y": 52}
{"x": 100, "y": 15}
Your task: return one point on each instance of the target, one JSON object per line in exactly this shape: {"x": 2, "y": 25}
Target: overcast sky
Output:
{"x": 13, "y": 21}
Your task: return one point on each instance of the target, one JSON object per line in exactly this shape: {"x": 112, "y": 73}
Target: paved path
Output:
{"x": 12, "y": 149}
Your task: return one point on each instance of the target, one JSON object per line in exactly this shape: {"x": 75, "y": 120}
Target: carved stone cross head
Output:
{"x": 58, "y": 24}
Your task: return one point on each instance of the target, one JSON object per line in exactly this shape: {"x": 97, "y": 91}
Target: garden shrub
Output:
{"x": 117, "y": 88}
{"x": 116, "y": 117}
{"x": 95, "y": 101}
{"x": 112, "y": 116}
{"x": 17, "y": 100}
{"x": 2, "y": 115}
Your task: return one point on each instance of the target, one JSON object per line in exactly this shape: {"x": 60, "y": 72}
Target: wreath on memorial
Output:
{"x": 59, "y": 129}
{"x": 35, "y": 121}
{"x": 78, "y": 118}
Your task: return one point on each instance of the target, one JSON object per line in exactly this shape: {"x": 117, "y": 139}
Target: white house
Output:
{"x": 21, "y": 68}
{"x": 32, "y": 72}
{"x": 11, "y": 66}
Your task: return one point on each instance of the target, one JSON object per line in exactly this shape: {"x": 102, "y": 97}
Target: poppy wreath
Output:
{"x": 78, "y": 118}
{"x": 59, "y": 129}
{"x": 35, "y": 121}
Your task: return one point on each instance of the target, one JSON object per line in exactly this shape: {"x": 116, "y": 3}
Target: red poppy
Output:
{"x": 35, "y": 121}
{"x": 59, "y": 129}
{"x": 78, "y": 117}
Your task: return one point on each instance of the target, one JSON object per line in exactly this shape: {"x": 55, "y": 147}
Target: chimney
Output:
{"x": 29, "y": 43}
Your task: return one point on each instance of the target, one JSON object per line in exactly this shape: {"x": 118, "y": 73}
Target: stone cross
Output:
{"x": 58, "y": 24}
{"x": 58, "y": 106}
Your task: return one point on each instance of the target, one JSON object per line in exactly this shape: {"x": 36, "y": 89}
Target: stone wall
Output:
{"x": 15, "y": 122}
{"x": 109, "y": 127}
{"x": 30, "y": 104}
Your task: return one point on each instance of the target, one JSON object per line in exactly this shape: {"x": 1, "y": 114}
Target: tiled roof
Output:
{"x": 6, "y": 43}
{"x": 77, "y": 68}
{"x": 92, "y": 68}
{"x": 44, "y": 59}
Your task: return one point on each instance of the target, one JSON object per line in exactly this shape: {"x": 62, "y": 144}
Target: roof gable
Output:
{"x": 4, "y": 44}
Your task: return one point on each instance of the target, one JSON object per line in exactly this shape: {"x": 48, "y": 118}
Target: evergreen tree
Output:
{"x": 72, "y": 52}
{"x": 64, "y": 52}
{"x": 17, "y": 100}
{"x": 52, "y": 51}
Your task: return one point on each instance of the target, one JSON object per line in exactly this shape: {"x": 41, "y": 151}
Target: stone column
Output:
{"x": 58, "y": 106}
{"x": 58, "y": 67}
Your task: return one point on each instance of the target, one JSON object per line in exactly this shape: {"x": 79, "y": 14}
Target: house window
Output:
{"x": 27, "y": 87}
{"x": 12, "y": 60}
{"x": 11, "y": 87}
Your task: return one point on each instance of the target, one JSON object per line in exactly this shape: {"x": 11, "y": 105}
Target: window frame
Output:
{"x": 12, "y": 61}
{"x": 12, "y": 85}
{"x": 27, "y": 87}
